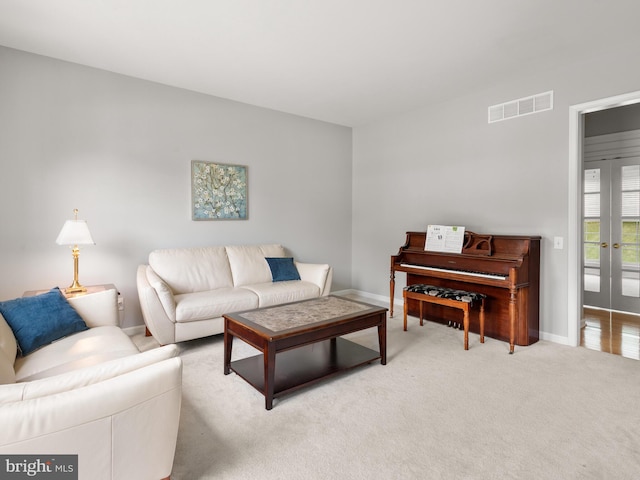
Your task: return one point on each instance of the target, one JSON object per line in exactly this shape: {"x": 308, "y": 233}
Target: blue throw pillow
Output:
{"x": 39, "y": 320}
{"x": 282, "y": 269}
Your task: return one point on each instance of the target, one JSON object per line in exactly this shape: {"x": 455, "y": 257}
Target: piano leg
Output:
{"x": 482, "y": 321}
{"x": 512, "y": 320}
{"x": 406, "y": 311}
{"x": 392, "y": 290}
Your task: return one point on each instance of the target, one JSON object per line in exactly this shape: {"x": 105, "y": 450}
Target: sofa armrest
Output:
{"x": 319, "y": 274}
{"x": 98, "y": 309}
{"x": 154, "y": 294}
{"x": 123, "y": 427}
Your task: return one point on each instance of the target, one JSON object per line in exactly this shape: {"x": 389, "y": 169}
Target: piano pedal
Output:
{"x": 456, "y": 325}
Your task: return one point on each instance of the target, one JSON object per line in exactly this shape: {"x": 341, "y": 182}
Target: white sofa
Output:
{"x": 92, "y": 394}
{"x": 185, "y": 291}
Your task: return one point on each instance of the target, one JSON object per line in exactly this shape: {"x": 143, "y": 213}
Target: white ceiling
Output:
{"x": 348, "y": 62}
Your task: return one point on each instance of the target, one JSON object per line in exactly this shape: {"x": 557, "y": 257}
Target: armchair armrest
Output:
{"x": 320, "y": 274}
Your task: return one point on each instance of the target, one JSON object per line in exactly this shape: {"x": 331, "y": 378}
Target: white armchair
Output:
{"x": 114, "y": 407}
{"x": 119, "y": 417}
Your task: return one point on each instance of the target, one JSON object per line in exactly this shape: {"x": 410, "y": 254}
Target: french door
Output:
{"x": 611, "y": 233}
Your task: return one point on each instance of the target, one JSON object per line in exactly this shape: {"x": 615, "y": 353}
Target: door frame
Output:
{"x": 574, "y": 241}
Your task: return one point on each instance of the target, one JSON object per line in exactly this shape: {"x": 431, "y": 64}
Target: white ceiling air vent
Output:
{"x": 522, "y": 106}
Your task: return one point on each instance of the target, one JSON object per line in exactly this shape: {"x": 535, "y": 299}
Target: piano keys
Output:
{"x": 506, "y": 268}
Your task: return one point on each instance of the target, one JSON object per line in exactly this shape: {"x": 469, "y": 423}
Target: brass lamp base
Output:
{"x": 75, "y": 287}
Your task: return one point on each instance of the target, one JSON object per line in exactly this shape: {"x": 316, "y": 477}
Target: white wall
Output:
{"x": 444, "y": 164}
{"x": 119, "y": 149}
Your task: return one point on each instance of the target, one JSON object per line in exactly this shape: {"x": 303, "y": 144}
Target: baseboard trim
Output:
{"x": 135, "y": 330}
{"x": 397, "y": 303}
{"x": 397, "y": 307}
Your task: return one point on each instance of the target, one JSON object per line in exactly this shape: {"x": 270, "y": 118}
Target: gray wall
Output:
{"x": 119, "y": 149}
{"x": 444, "y": 164}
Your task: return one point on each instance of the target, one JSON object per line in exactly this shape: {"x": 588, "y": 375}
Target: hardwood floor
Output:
{"x": 612, "y": 332}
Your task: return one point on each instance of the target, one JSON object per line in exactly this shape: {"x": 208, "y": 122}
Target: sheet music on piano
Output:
{"x": 444, "y": 238}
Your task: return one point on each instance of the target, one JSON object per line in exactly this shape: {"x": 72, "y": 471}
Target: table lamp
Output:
{"x": 75, "y": 232}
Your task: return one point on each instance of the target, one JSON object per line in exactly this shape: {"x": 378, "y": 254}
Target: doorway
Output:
{"x": 575, "y": 275}
{"x": 611, "y": 223}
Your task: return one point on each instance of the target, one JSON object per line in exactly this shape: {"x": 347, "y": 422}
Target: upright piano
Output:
{"x": 506, "y": 268}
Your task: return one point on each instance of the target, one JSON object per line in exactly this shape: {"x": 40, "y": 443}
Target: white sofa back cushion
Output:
{"x": 188, "y": 270}
{"x": 248, "y": 264}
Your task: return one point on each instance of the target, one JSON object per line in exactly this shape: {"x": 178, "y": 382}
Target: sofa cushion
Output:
{"x": 41, "y": 319}
{"x": 282, "y": 269}
{"x": 214, "y": 303}
{"x": 283, "y": 292}
{"x": 188, "y": 270}
{"x": 83, "y": 349}
{"x": 248, "y": 264}
{"x": 85, "y": 376}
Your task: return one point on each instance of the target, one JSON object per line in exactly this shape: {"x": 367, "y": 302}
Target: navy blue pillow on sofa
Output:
{"x": 282, "y": 269}
{"x": 39, "y": 320}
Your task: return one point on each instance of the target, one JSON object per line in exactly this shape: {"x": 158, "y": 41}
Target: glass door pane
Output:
{"x": 625, "y": 278}
{"x": 595, "y": 234}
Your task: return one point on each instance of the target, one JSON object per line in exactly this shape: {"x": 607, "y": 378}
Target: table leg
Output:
{"x": 228, "y": 344}
{"x": 382, "y": 339}
{"x": 333, "y": 351}
{"x": 269, "y": 374}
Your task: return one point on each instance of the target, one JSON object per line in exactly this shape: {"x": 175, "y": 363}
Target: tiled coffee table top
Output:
{"x": 284, "y": 317}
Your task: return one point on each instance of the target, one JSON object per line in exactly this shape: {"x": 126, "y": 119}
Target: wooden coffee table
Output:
{"x": 305, "y": 337}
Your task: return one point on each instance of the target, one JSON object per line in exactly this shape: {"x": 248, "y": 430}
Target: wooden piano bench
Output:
{"x": 447, "y": 297}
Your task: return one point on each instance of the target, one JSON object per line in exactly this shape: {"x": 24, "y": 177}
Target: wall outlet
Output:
{"x": 558, "y": 243}
{"x": 120, "y": 302}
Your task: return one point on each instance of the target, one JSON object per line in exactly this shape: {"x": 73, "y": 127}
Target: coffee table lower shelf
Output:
{"x": 302, "y": 366}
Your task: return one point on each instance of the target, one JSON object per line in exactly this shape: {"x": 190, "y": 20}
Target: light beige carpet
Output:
{"x": 434, "y": 411}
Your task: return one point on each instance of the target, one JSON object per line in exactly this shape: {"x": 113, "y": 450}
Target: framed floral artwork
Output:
{"x": 218, "y": 191}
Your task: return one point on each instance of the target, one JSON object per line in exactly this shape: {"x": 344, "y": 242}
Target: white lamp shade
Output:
{"x": 75, "y": 232}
